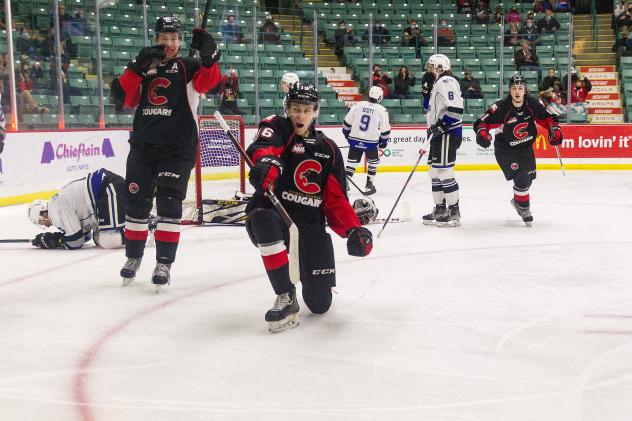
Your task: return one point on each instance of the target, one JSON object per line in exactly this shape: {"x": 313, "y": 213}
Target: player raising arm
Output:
{"x": 445, "y": 113}
{"x": 306, "y": 172}
{"x": 516, "y": 117}
{"x": 163, "y": 144}
{"x": 367, "y": 128}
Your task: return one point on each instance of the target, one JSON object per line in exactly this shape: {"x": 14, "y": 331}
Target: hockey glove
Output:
{"x": 438, "y": 129}
{"x": 555, "y": 135}
{"x": 49, "y": 240}
{"x": 359, "y": 241}
{"x": 144, "y": 59}
{"x": 265, "y": 172}
{"x": 205, "y": 44}
{"x": 483, "y": 138}
{"x": 382, "y": 143}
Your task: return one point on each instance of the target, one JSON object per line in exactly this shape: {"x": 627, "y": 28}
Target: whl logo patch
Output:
{"x": 52, "y": 151}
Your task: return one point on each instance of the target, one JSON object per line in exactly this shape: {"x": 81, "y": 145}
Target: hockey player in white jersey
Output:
{"x": 445, "y": 113}
{"x": 89, "y": 207}
{"x": 367, "y": 128}
{"x": 288, "y": 80}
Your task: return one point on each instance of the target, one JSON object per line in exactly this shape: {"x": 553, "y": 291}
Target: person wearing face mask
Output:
{"x": 481, "y": 13}
{"x": 530, "y": 32}
{"x": 511, "y": 36}
{"x": 305, "y": 170}
{"x": 445, "y": 34}
{"x": 381, "y": 35}
{"x": 412, "y": 36}
{"x": 625, "y": 18}
{"x": 231, "y": 31}
{"x": 548, "y": 24}
{"x": 164, "y": 88}
{"x": 344, "y": 37}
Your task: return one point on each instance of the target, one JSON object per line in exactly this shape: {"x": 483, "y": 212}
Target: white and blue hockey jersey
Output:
{"x": 366, "y": 125}
{"x": 446, "y": 105}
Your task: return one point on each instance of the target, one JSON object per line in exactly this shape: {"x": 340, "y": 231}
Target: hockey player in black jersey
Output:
{"x": 306, "y": 171}
{"x": 516, "y": 116}
{"x": 165, "y": 89}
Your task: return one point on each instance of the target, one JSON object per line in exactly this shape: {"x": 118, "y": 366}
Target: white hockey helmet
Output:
{"x": 289, "y": 79}
{"x": 440, "y": 62}
{"x": 376, "y": 93}
{"x": 365, "y": 209}
{"x": 35, "y": 211}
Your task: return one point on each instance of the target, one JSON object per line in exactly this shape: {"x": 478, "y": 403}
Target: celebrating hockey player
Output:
{"x": 366, "y": 127}
{"x": 516, "y": 116}
{"x": 445, "y": 111}
{"x": 163, "y": 143}
{"x": 89, "y": 207}
{"x": 306, "y": 171}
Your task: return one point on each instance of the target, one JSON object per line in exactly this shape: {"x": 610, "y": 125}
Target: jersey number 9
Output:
{"x": 364, "y": 122}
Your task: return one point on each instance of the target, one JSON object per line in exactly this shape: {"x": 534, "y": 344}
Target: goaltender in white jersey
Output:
{"x": 445, "y": 118}
{"x": 367, "y": 128}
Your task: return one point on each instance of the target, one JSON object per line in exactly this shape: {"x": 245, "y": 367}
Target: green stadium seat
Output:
{"x": 402, "y": 118}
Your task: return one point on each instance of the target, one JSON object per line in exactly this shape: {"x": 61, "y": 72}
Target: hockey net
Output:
{"x": 217, "y": 182}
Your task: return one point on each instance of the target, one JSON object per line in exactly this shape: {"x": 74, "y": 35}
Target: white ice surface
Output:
{"x": 492, "y": 321}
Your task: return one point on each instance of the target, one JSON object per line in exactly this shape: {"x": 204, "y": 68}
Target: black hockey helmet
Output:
{"x": 168, "y": 24}
{"x": 365, "y": 209}
{"x": 303, "y": 94}
{"x": 517, "y": 80}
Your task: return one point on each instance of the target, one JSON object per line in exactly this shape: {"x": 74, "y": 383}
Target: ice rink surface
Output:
{"x": 492, "y": 321}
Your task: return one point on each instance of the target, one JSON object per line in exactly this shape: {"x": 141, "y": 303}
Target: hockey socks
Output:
{"x": 275, "y": 261}
{"x": 521, "y": 196}
{"x": 437, "y": 191}
{"x": 450, "y": 191}
{"x": 135, "y": 236}
{"x": 167, "y": 236}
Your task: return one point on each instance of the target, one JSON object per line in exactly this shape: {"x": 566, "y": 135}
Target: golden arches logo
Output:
{"x": 541, "y": 138}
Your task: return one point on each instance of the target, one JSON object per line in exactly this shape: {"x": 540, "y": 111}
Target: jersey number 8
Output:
{"x": 450, "y": 95}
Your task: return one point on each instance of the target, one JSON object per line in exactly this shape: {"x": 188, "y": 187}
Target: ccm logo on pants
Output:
{"x": 323, "y": 271}
{"x": 168, "y": 174}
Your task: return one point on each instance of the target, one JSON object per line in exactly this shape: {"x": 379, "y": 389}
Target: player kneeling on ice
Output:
{"x": 306, "y": 172}
{"x": 445, "y": 115}
{"x": 90, "y": 207}
{"x": 366, "y": 127}
{"x": 516, "y": 116}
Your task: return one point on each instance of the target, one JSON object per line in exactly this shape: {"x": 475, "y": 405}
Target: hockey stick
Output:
{"x": 295, "y": 271}
{"x": 15, "y": 240}
{"x": 203, "y": 24}
{"x": 421, "y": 154}
{"x": 362, "y": 192}
{"x": 557, "y": 151}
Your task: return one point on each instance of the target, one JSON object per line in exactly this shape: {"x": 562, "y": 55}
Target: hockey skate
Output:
{"x": 430, "y": 218}
{"x": 284, "y": 313}
{"x": 369, "y": 188}
{"x": 128, "y": 273}
{"x": 450, "y": 218}
{"x": 524, "y": 213}
{"x": 161, "y": 275}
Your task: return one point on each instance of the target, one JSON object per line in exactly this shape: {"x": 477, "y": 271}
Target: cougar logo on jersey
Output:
{"x": 519, "y": 132}
{"x": 306, "y": 174}
{"x": 133, "y": 188}
{"x": 152, "y": 96}
{"x": 514, "y": 166}
{"x": 301, "y": 199}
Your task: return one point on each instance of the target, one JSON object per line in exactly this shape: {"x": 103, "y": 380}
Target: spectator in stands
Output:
{"x": 579, "y": 93}
{"x": 380, "y": 79}
{"x": 37, "y": 71}
{"x": 512, "y": 37}
{"x": 23, "y": 41}
{"x": 464, "y": 6}
{"x": 498, "y": 15}
{"x": 228, "y": 93}
{"x": 4, "y": 66}
{"x": 78, "y": 25}
{"x": 403, "y": 82}
{"x": 526, "y": 58}
{"x": 25, "y": 86}
{"x": 344, "y": 37}
{"x": 445, "y": 34}
{"x": 553, "y": 103}
{"x": 623, "y": 45}
{"x": 551, "y": 81}
{"x": 530, "y": 32}
{"x": 481, "y": 13}
{"x": 269, "y": 33}
{"x": 548, "y": 24}
{"x": 563, "y": 6}
{"x": 574, "y": 78}
{"x": 64, "y": 20}
{"x": 231, "y": 31}
{"x": 513, "y": 16}
{"x": 625, "y": 18}
{"x": 538, "y": 6}
{"x": 381, "y": 35}
{"x": 470, "y": 86}
{"x": 413, "y": 37}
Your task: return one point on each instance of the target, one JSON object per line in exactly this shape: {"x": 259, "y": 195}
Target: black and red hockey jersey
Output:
{"x": 167, "y": 100}
{"x": 312, "y": 186}
{"x": 517, "y": 125}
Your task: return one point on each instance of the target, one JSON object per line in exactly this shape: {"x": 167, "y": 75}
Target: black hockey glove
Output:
{"x": 359, "y": 241}
{"x": 205, "y": 44}
{"x": 265, "y": 172}
{"x": 439, "y": 128}
{"x": 49, "y": 240}
{"x": 483, "y": 138}
{"x": 382, "y": 144}
{"x": 555, "y": 135}
{"x": 143, "y": 60}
